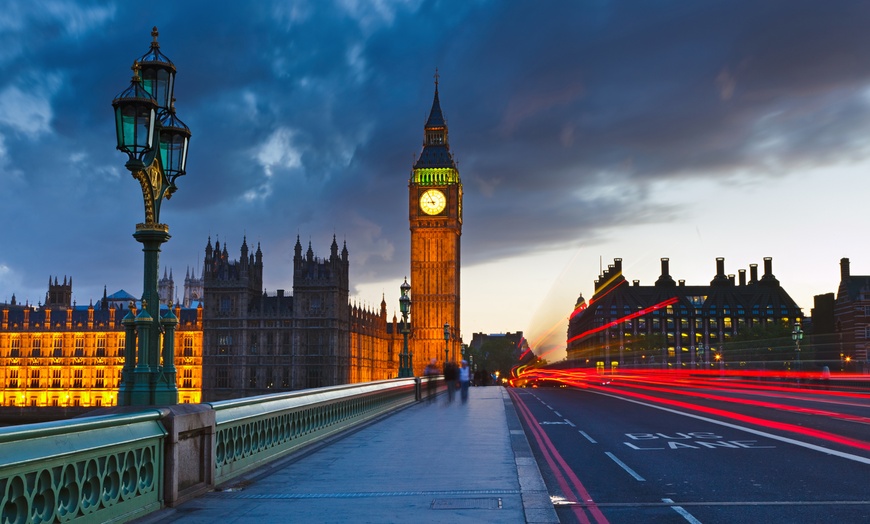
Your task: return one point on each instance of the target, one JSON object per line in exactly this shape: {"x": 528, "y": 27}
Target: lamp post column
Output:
{"x": 797, "y": 334}
{"x": 405, "y": 367}
{"x": 446, "y": 342}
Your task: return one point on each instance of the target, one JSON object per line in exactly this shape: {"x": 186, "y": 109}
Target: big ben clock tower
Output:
{"x": 435, "y": 216}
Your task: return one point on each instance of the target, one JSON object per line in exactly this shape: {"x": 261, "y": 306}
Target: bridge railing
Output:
{"x": 252, "y": 431}
{"x": 117, "y": 467}
{"x": 93, "y": 469}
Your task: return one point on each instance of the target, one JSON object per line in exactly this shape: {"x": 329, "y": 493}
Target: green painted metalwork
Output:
{"x": 93, "y": 469}
{"x": 253, "y": 431}
{"x": 111, "y": 467}
{"x": 435, "y": 176}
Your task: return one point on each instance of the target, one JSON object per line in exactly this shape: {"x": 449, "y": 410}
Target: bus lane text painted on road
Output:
{"x": 687, "y": 440}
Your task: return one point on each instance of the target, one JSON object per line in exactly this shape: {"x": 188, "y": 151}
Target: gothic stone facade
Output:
{"x": 256, "y": 343}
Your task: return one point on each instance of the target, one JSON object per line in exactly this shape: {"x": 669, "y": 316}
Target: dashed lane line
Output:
{"x": 624, "y": 466}
{"x": 590, "y": 439}
{"x": 682, "y": 512}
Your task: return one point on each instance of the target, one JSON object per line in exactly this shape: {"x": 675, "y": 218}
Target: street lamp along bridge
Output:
{"x": 405, "y": 359}
{"x": 155, "y": 141}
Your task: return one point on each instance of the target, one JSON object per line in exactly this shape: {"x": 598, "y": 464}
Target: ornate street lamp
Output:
{"x": 797, "y": 334}
{"x": 405, "y": 369}
{"x": 156, "y": 142}
{"x": 446, "y": 342}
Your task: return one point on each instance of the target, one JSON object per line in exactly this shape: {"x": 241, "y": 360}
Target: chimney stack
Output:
{"x": 844, "y": 269}
{"x": 742, "y": 276}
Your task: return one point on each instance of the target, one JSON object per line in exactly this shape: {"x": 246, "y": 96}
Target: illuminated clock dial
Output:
{"x": 433, "y": 201}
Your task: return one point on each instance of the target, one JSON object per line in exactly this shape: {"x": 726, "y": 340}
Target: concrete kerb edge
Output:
{"x": 537, "y": 506}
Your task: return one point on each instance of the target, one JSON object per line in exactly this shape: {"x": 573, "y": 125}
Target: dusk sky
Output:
{"x": 583, "y": 131}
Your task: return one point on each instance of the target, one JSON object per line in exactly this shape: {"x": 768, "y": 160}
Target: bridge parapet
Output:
{"x": 93, "y": 469}
{"x": 122, "y": 466}
{"x": 252, "y": 431}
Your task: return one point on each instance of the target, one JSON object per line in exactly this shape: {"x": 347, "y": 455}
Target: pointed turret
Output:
{"x": 436, "y": 148}
{"x": 333, "y": 250}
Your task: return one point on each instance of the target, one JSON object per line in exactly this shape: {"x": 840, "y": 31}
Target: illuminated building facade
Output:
{"x": 238, "y": 342}
{"x": 435, "y": 215}
{"x": 256, "y": 343}
{"x": 64, "y": 355}
{"x": 670, "y": 323}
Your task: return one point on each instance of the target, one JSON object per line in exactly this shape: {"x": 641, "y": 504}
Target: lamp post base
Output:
{"x": 151, "y": 382}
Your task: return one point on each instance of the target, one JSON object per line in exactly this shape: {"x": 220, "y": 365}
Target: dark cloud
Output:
{"x": 306, "y": 117}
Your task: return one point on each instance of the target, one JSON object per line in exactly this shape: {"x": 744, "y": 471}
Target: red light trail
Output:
{"x": 659, "y": 387}
{"x": 639, "y": 313}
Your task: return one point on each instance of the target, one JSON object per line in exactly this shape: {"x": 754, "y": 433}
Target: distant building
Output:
{"x": 517, "y": 339}
{"x": 670, "y": 323}
{"x": 852, "y": 314}
{"x": 166, "y": 289}
{"x": 193, "y": 292}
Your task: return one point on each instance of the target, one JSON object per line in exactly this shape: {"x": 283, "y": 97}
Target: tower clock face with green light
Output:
{"x": 433, "y": 201}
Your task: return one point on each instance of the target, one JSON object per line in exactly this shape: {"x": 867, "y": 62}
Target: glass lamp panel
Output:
{"x": 172, "y": 152}
{"x": 183, "y": 164}
{"x": 158, "y": 82}
{"x": 119, "y": 127}
{"x": 135, "y": 128}
{"x": 165, "y": 148}
{"x": 148, "y": 127}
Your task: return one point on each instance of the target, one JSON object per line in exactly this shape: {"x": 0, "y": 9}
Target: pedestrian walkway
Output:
{"x": 431, "y": 462}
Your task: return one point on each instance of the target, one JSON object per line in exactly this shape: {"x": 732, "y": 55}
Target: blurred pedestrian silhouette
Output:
{"x": 451, "y": 375}
{"x": 464, "y": 381}
{"x": 430, "y": 373}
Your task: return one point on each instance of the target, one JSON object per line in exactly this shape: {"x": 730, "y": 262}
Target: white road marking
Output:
{"x": 814, "y": 447}
{"x": 685, "y": 514}
{"x": 624, "y": 466}
{"x": 590, "y": 439}
{"x": 569, "y": 423}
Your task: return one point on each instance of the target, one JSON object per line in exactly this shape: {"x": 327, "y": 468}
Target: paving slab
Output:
{"x": 430, "y": 462}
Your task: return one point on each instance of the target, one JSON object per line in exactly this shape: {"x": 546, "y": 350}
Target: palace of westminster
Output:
{"x": 233, "y": 340}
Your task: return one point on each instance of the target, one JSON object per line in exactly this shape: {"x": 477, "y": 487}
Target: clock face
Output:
{"x": 433, "y": 202}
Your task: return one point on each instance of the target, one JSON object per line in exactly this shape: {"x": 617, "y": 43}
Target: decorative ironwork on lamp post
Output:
{"x": 155, "y": 141}
{"x": 405, "y": 369}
